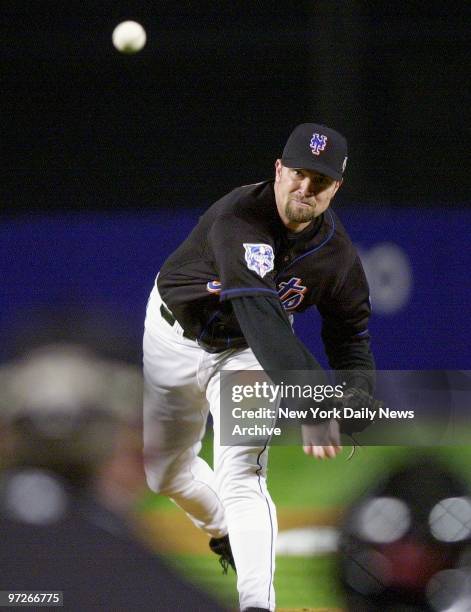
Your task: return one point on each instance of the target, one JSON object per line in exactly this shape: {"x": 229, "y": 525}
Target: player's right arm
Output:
{"x": 269, "y": 334}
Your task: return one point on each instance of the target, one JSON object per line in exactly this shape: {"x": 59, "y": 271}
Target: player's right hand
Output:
{"x": 321, "y": 440}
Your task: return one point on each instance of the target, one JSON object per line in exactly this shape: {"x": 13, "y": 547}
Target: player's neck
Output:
{"x": 294, "y": 227}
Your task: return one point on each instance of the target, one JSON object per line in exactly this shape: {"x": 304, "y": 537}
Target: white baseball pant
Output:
{"x": 181, "y": 387}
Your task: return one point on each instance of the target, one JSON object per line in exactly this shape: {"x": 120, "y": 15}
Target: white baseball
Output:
{"x": 129, "y": 37}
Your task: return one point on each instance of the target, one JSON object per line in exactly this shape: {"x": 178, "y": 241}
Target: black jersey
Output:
{"x": 240, "y": 247}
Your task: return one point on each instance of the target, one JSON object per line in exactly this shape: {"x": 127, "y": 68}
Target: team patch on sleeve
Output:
{"x": 259, "y": 257}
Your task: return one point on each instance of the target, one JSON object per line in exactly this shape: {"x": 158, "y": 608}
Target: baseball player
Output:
{"x": 224, "y": 301}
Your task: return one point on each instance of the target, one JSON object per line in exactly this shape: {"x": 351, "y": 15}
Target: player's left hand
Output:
{"x": 321, "y": 440}
{"x": 357, "y": 400}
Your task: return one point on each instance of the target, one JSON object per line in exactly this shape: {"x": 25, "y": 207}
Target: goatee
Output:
{"x": 299, "y": 214}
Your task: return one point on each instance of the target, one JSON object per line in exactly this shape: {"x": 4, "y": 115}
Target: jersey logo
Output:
{"x": 318, "y": 143}
{"x": 259, "y": 257}
{"x": 214, "y": 286}
{"x": 291, "y": 293}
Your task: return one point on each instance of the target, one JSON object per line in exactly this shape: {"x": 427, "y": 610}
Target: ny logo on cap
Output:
{"x": 318, "y": 143}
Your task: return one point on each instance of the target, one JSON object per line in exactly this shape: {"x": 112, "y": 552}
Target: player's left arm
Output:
{"x": 345, "y": 317}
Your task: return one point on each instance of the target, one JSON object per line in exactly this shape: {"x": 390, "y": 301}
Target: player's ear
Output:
{"x": 278, "y": 168}
{"x": 339, "y": 184}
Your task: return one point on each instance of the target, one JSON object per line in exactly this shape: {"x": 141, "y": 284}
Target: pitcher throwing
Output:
{"x": 224, "y": 300}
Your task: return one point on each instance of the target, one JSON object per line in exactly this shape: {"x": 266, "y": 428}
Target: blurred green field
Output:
{"x": 300, "y": 482}
{"x": 300, "y": 582}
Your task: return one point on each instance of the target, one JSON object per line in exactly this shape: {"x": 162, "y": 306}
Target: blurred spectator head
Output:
{"x": 68, "y": 411}
{"x": 70, "y": 449}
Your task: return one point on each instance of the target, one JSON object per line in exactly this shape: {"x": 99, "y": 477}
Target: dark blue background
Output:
{"x": 104, "y": 263}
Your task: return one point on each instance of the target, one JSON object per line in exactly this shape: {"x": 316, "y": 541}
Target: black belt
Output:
{"x": 215, "y": 348}
{"x": 168, "y": 316}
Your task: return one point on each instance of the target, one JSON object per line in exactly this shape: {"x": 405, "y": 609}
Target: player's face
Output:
{"x": 302, "y": 195}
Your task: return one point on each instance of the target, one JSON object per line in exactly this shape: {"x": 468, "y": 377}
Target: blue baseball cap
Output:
{"x": 316, "y": 147}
